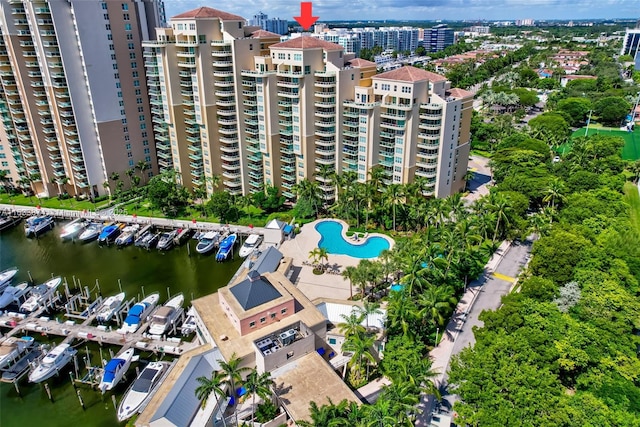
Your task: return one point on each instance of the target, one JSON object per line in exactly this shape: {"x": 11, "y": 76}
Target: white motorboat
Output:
{"x": 207, "y": 242}
{"x": 12, "y": 349}
{"x": 52, "y": 363}
{"x": 189, "y": 326}
{"x": 13, "y": 294}
{"x": 40, "y": 294}
{"x": 8, "y": 221}
{"x": 115, "y": 370}
{"x": 38, "y": 224}
{"x": 147, "y": 240}
{"x": 251, "y": 244}
{"x": 139, "y": 312}
{"x": 6, "y": 276}
{"x": 109, "y": 307}
{"x": 165, "y": 317}
{"x": 128, "y": 235}
{"x": 73, "y": 229}
{"x": 166, "y": 240}
{"x": 142, "y": 389}
{"x": 92, "y": 231}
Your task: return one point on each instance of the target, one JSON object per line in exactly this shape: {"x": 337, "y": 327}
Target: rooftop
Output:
{"x": 460, "y": 93}
{"x": 208, "y": 12}
{"x": 263, "y": 34}
{"x": 410, "y": 74}
{"x": 360, "y": 63}
{"x": 268, "y": 261}
{"x": 333, "y": 310}
{"x": 307, "y": 42}
{"x": 253, "y": 291}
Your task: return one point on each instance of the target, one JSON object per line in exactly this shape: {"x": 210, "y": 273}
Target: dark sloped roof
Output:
{"x": 268, "y": 261}
{"x": 254, "y": 291}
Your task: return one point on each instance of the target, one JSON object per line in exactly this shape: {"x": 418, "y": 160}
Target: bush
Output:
{"x": 266, "y": 412}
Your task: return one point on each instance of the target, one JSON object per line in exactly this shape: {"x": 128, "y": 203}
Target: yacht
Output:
{"x": 40, "y": 295}
{"x": 147, "y": 240}
{"x": 109, "y": 233}
{"x": 109, "y": 307}
{"x": 115, "y": 370}
{"x": 251, "y": 244}
{"x": 13, "y": 294}
{"x": 142, "y": 389}
{"x": 38, "y": 224}
{"x": 8, "y": 221}
{"x": 166, "y": 316}
{"x": 12, "y": 349}
{"x": 91, "y": 232}
{"x": 15, "y": 371}
{"x": 51, "y": 364}
{"x": 73, "y": 229}
{"x": 189, "y": 326}
{"x": 166, "y": 240}
{"x": 138, "y": 313}
{"x": 207, "y": 242}
{"x": 128, "y": 235}
{"x": 226, "y": 247}
{"x": 6, "y": 276}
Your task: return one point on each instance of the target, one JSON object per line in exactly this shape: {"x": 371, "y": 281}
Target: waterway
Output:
{"x": 134, "y": 269}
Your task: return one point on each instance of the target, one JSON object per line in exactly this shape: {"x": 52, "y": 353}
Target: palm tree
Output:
{"x": 107, "y": 187}
{"x": 554, "y": 192}
{"x": 393, "y": 194}
{"x": 436, "y": 303}
{"x": 233, "y": 376}
{"x": 349, "y": 274}
{"x": 215, "y": 384}
{"x": 501, "y": 208}
{"x": 380, "y": 414}
{"x": 319, "y": 254}
{"x": 377, "y": 178}
{"x": 4, "y": 175}
{"x": 33, "y": 178}
{"x": 369, "y": 308}
{"x": 310, "y": 191}
{"x": 361, "y": 346}
{"x": 324, "y": 172}
{"x": 352, "y": 324}
{"x": 260, "y": 385}
{"x": 142, "y": 166}
{"x": 130, "y": 173}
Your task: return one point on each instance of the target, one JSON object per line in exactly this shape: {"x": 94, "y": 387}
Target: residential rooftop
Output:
{"x": 410, "y": 74}
{"x": 208, "y": 12}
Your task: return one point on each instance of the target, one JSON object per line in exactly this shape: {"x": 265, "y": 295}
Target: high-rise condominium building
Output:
{"x": 631, "y": 46}
{"x": 275, "y": 25}
{"x": 232, "y": 101}
{"x": 74, "y": 101}
{"x": 438, "y": 37}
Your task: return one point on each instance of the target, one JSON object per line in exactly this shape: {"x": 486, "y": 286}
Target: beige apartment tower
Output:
{"x": 74, "y": 101}
{"x": 233, "y": 102}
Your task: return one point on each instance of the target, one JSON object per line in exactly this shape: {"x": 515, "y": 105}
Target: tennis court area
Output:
{"x": 631, "y": 149}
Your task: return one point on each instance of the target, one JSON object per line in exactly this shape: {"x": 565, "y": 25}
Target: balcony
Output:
{"x": 223, "y": 83}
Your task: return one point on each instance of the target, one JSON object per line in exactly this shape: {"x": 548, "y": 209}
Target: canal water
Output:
{"x": 136, "y": 271}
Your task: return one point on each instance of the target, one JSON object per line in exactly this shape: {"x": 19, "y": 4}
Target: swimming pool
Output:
{"x": 333, "y": 241}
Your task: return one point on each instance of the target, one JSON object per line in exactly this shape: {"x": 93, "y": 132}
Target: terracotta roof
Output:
{"x": 359, "y": 62}
{"x": 460, "y": 93}
{"x": 307, "y": 42}
{"x": 263, "y": 34}
{"x": 410, "y": 74}
{"x": 208, "y": 12}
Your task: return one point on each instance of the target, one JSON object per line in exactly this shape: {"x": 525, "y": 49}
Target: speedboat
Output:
{"x": 6, "y": 276}
{"x": 8, "y": 221}
{"x": 115, "y": 370}
{"x": 226, "y": 247}
{"x": 250, "y": 245}
{"x": 16, "y": 370}
{"x": 207, "y": 242}
{"x": 109, "y": 307}
{"x": 164, "y": 317}
{"x": 166, "y": 240}
{"x": 139, "y": 312}
{"x": 12, "y": 349}
{"x": 128, "y": 235}
{"x": 147, "y": 240}
{"x": 13, "y": 294}
{"x": 40, "y": 294}
{"x": 52, "y": 363}
{"x": 189, "y": 326}
{"x": 109, "y": 233}
{"x": 90, "y": 232}
{"x": 142, "y": 389}
{"x": 72, "y": 229}
{"x": 38, "y": 224}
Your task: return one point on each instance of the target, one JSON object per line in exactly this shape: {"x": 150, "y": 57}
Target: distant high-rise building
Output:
{"x": 525, "y": 22}
{"x": 274, "y": 25}
{"x": 74, "y": 101}
{"x": 631, "y": 46}
{"x": 438, "y": 37}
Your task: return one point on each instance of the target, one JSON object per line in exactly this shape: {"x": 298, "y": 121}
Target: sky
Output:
{"x": 330, "y": 10}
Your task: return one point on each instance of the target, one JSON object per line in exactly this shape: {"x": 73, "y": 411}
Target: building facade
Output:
{"x": 631, "y": 46}
{"x": 274, "y": 25}
{"x": 438, "y": 37}
{"x": 74, "y": 102}
{"x": 232, "y": 101}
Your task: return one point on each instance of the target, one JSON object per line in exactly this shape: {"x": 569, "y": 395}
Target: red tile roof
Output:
{"x": 208, "y": 12}
{"x": 307, "y": 42}
{"x": 360, "y": 63}
{"x": 263, "y": 34}
{"x": 410, "y": 74}
{"x": 460, "y": 93}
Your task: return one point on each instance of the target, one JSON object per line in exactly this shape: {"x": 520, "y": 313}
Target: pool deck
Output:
{"x": 325, "y": 285}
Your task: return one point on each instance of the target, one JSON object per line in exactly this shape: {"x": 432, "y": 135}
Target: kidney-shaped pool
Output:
{"x": 333, "y": 241}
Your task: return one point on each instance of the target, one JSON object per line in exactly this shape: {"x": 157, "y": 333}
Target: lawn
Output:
{"x": 631, "y": 149}
{"x": 54, "y": 202}
{"x": 632, "y": 197}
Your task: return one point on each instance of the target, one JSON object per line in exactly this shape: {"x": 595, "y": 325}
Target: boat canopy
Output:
{"x": 111, "y": 368}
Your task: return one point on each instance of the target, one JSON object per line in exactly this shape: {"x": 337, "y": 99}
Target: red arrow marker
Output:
{"x": 305, "y": 19}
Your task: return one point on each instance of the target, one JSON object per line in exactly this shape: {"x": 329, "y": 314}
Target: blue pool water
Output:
{"x": 334, "y": 243}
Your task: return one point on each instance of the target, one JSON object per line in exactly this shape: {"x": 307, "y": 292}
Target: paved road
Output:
{"x": 481, "y": 181}
{"x": 483, "y": 294}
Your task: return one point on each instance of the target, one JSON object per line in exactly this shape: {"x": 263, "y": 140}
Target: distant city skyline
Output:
{"x": 508, "y": 10}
